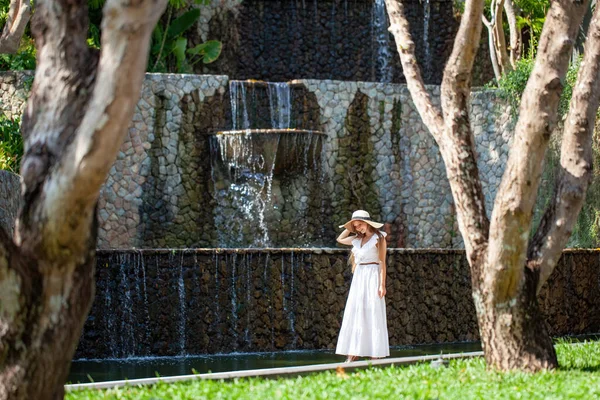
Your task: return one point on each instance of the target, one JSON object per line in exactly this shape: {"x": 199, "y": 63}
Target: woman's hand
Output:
{"x": 345, "y": 238}
{"x": 381, "y": 292}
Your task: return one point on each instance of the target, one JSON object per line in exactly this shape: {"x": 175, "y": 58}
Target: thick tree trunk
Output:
{"x": 37, "y": 357}
{"x": 73, "y": 128}
{"x": 514, "y": 334}
{"x": 505, "y": 281}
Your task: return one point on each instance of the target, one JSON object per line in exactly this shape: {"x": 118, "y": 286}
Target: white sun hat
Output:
{"x": 361, "y": 215}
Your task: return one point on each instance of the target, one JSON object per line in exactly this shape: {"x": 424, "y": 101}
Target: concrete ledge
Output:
{"x": 273, "y": 372}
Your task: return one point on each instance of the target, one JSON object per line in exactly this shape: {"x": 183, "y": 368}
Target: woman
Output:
{"x": 364, "y": 327}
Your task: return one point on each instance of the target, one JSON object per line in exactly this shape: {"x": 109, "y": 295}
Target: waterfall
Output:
{"x": 182, "y": 307}
{"x": 248, "y": 266}
{"x": 279, "y": 104}
{"x": 110, "y": 321}
{"x": 237, "y": 90}
{"x": 292, "y": 315}
{"x": 381, "y": 38}
{"x": 427, "y": 50}
{"x": 127, "y": 322}
{"x": 217, "y": 320}
{"x": 234, "y": 305}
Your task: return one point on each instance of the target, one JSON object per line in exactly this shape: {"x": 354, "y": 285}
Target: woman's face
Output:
{"x": 360, "y": 227}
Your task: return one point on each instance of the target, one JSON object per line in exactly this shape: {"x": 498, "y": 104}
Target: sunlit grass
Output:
{"x": 577, "y": 378}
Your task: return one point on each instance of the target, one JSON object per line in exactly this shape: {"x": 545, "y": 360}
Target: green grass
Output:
{"x": 577, "y": 378}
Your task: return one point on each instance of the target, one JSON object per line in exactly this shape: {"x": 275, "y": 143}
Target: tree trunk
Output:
{"x": 506, "y": 275}
{"x": 514, "y": 334}
{"x": 73, "y": 129}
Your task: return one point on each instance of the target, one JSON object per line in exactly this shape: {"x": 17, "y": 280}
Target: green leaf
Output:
{"x": 209, "y": 51}
{"x": 179, "y": 50}
{"x": 157, "y": 33}
{"x": 183, "y": 23}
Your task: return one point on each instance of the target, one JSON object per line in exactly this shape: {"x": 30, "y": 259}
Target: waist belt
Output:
{"x": 370, "y": 263}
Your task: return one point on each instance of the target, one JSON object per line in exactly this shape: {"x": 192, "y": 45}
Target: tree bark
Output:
{"x": 16, "y": 21}
{"x": 75, "y": 120}
{"x": 575, "y": 173}
{"x": 516, "y": 40}
{"x": 499, "y": 39}
{"x": 490, "y": 30}
{"x": 512, "y": 328}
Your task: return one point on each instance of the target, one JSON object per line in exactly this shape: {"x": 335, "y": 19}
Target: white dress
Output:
{"x": 364, "y": 326}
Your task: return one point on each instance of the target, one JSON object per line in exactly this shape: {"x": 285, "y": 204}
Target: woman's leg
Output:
{"x": 351, "y": 358}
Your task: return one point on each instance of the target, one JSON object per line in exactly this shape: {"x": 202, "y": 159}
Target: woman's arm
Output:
{"x": 382, "y": 246}
{"x": 345, "y": 239}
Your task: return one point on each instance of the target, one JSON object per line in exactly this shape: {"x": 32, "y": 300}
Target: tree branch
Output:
{"x": 91, "y": 127}
{"x": 500, "y": 41}
{"x": 399, "y": 27}
{"x": 451, "y": 130}
{"x": 458, "y": 147}
{"x": 515, "y": 33}
{"x": 575, "y": 162}
{"x": 513, "y": 209}
{"x": 493, "y": 57}
{"x": 14, "y": 28}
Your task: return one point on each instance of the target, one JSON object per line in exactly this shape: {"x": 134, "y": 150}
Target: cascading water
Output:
{"x": 128, "y": 340}
{"x": 249, "y": 170}
{"x": 239, "y": 109}
{"x": 280, "y": 104}
{"x": 426, "y": 48}
{"x": 381, "y": 39}
{"x": 182, "y": 307}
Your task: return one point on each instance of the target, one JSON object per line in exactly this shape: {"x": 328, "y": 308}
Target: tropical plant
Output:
{"x": 169, "y": 50}
{"x": 531, "y": 19}
{"x": 11, "y": 144}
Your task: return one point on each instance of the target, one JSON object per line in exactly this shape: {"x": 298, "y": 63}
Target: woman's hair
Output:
{"x": 359, "y": 235}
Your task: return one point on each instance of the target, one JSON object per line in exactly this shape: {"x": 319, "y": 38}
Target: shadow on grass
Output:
{"x": 587, "y": 368}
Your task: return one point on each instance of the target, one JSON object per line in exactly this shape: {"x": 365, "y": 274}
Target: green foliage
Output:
{"x": 512, "y": 85}
{"x": 586, "y": 233}
{"x": 183, "y": 23}
{"x": 169, "y": 49}
{"x": 23, "y": 60}
{"x": 578, "y": 378}
{"x": 11, "y": 144}
{"x": 533, "y": 16}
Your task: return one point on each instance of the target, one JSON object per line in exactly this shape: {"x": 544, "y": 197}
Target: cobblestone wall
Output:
{"x": 374, "y": 154}
{"x": 215, "y": 301}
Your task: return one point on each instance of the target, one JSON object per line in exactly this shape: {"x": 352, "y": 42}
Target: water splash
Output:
{"x": 381, "y": 39}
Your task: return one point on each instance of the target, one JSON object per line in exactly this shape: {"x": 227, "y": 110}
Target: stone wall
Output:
{"x": 289, "y": 39}
{"x": 215, "y": 301}
{"x": 170, "y": 186}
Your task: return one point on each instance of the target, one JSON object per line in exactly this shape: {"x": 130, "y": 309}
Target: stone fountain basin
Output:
{"x": 289, "y": 150}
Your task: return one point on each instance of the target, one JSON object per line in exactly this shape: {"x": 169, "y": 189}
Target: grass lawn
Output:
{"x": 577, "y": 378}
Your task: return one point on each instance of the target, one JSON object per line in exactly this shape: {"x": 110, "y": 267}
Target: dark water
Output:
{"x": 83, "y": 371}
